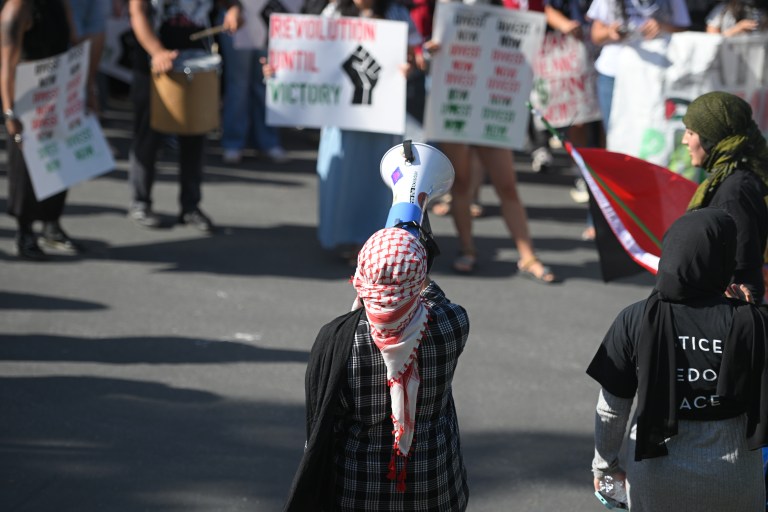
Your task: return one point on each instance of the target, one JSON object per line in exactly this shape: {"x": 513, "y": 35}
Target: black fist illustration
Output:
{"x": 364, "y": 71}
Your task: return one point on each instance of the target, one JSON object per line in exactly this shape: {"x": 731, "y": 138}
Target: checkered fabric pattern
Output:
{"x": 436, "y": 475}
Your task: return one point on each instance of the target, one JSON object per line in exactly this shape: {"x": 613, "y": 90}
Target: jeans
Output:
{"x": 605, "y": 97}
{"x": 244, "y": 111}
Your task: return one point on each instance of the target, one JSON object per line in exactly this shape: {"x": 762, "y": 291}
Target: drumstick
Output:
{"x": 207, "y": 32}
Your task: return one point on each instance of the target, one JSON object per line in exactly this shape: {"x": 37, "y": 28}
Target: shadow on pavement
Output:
{"x": 124, "y": 446}
{"x": 28, "y": 301}
{"x": 144, "y": 350}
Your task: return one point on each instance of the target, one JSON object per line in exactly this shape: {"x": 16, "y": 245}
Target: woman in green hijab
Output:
{"x": 723, "y": 138}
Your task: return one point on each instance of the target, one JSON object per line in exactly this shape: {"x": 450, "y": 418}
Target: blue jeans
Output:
{"x": 605, "y": 97}
{"x": 244, "y": 110}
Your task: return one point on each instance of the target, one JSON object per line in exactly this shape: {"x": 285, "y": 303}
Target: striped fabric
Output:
{"x": 436, "y": 474}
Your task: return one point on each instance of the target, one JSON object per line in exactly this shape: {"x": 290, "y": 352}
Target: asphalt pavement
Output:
{"x": 163, "y": 370}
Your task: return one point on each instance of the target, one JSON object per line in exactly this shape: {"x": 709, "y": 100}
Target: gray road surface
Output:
{"x": 163, "y": 370}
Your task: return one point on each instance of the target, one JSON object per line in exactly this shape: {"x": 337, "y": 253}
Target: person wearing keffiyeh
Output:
{"x": 723, "y": 138}
{"x": 695, "y": 362}
{"x": 382, "y": 428}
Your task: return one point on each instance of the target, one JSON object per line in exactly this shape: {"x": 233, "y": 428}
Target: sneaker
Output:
{"x": 144, "y": 217}
{"x": 541, "y": 159}
{"x": 197, "y": 219}
{"x": 277, "y": 155}
{"x": 26, "y": 247}
{"x": 53, "y": 237}
{"x": 579, "y": 192}
{"x": 231, "y": 156}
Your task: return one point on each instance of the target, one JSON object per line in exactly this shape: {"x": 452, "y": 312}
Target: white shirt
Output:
{"x": 607, "y": 12}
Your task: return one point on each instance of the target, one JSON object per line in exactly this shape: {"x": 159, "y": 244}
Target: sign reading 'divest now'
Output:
{"x": 62, "y": 145}
{"x": 482, "y": 74}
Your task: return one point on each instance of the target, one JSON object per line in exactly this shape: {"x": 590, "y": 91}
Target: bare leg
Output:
{"x": 461, "y": 194}
{"x": 478, "y": 177}
{"x": 499, "y": 163}
{"x": 97, "y": 49}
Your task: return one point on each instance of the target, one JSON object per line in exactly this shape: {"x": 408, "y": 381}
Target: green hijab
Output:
{"x": 730, "y": 137}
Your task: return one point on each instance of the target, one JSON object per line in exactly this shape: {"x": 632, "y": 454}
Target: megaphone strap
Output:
{"x": 408, "y": 150}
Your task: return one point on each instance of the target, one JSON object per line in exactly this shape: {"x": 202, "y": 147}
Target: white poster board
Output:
{"x": 482, "y": 75}
{"x": 256, "y": 13}
{"x": 564, "y": 82}
{"x": 657, "y": 80}
{"x": 343, "y": 72}
{"x": 62, "y": 145}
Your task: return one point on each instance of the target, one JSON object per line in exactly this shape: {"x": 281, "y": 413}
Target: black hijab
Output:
{"x": 697, "y": 261}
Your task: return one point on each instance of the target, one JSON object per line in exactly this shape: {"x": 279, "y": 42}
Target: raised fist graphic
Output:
{"x": 364, "y": 71}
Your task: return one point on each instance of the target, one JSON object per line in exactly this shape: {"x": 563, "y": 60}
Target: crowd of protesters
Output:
{"x": 158, "y": 26}
{"x": 404, "y": 335}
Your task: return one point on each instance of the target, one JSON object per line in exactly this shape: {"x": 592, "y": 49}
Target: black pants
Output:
{"x": 22, "y": 202}
{"x": 143, "y": 154}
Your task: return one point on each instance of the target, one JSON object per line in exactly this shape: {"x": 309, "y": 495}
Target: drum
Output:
{"x": 185, "y": 101}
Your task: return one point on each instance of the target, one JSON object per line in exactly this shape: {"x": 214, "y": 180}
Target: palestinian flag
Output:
{"x": 633, "y": 202}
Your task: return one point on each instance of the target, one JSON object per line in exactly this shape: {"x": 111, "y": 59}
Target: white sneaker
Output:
{"x": 579, "y": 192}
{"x": 277, "y": 154}
{"x": 232, "y": 156}
{"x": 541, "y": 159}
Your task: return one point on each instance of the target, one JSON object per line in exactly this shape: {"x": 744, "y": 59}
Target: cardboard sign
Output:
{"x": 482, "y": 76}
{"x": 340, "y": 71}
{"x": 564, "y": 88}
{"x": 62, "y": 145}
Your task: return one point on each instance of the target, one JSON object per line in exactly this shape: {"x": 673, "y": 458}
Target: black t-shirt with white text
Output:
{"x": 701, "y": 329}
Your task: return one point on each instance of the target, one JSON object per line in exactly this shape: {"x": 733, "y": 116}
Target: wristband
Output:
{"x": 9, "y": 115}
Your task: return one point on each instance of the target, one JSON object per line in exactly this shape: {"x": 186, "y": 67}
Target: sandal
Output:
{"x": 442, "y": 207}
{"x": 465, "y": 263}
{"x": 476, "y": 210}
{"x": 525, "y": 269}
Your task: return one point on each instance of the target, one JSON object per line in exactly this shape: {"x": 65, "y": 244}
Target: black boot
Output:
{"x": 53, "y": 237}
{"x": 26, "y": 247}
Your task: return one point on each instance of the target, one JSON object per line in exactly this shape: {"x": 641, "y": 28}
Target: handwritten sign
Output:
{"x": 256, "y": 13}
{"x": 482, "y": 76}
{"x": 341, "y": 72}
{"x": 564, "y": 88}
{"x": 62, "y": 145}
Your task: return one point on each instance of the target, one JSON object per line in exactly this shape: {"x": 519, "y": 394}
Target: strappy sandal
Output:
{"x": 442, "y": 206}
{"x": 525, "y": 269}
{"x": 465, "y": 262}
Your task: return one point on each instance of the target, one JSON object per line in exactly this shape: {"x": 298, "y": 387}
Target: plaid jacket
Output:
{"x": 437, "y": 479}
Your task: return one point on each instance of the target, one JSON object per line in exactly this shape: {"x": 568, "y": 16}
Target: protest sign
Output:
{"x": 341, "y": 72}
{"x": 62, "y": 145}
{"x": 253, "y": 34}
{"x": 482, "y": 75}
{"x": 564, "y": 78}
{"x": 657, "y": 80}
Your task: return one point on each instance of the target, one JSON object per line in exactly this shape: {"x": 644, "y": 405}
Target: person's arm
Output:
{"x": 15, "y": 19}
{"x": 611, "y": 417}
{"x": 233, "y": 17}
{"x": 162, "y": 58}
{"x": 560, "y": 22}
{"x": 604, "y": 33}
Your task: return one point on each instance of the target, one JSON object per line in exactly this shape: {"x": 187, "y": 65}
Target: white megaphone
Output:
{"x": 415, "y": 172}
